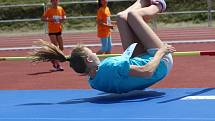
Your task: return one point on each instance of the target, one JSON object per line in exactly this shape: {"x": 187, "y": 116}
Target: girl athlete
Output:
{"x": 143, "y": 63}
{"x": 55, "y": 15}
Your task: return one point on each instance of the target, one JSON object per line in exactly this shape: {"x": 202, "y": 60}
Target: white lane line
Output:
{"x": 66, "y": 46}
{"x": 116, "y": 44}
{"x": 211, "y": 97}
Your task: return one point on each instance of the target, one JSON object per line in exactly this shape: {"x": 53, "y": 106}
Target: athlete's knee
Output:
{"x": 132, "y": 14}
{"x": 121, "y": 16}
{"x": 138, "y": 13}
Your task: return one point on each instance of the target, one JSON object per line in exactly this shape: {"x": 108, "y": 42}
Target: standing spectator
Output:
{"x": 104, "y": 24}
{"x": 55, "y": 15}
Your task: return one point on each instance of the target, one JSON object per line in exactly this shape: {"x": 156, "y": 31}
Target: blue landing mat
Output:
{"x": 163, "y": 104}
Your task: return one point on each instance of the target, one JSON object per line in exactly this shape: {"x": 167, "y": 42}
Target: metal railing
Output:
{"x": 209, "y": 11}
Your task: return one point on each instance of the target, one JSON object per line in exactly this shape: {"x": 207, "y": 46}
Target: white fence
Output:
{"x": 209, "y": 11}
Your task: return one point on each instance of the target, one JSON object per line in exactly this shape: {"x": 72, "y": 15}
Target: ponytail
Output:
{"x": 47, "y": 52}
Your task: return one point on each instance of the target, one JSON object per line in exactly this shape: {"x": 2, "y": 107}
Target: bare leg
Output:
{"x": 145, "y": 34}
{"x": 127, "y": 35}
{"x": 60, "y": 45}
{"x": 57, "y": 41}
{"x": 60, "y": 42}
{"x": 53, "y": 39}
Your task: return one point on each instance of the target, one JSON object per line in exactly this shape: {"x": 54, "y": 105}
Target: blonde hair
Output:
{"x": 49, "y": 52}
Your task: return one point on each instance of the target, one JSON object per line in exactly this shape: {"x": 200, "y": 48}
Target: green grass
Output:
{"x": 27, "y": 1}
{"x": 164, "y": 21}
{"x": 87, "y": 26}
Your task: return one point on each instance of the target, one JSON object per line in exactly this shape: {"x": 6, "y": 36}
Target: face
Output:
{"x": 104, "y": 2}
{"x": 54, "y": 2}
{"x": 92, "y": 59}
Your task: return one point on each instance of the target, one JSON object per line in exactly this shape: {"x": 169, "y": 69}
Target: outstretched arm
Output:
{"x": 148, "y": 69}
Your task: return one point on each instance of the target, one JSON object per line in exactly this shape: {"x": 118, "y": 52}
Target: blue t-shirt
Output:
{"x": 113, "y": 74}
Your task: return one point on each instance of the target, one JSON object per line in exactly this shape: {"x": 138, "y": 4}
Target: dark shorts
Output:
{"x": 57, "y": 33}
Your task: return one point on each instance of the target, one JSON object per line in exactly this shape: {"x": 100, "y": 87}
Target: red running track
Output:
{"x": 187, "y": 72}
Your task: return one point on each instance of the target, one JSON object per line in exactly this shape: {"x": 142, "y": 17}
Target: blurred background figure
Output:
{"x": 55, "y": 15}
{"x": 104, "y": 26}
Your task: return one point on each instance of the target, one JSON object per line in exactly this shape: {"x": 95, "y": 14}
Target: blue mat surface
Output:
{"x": 163, "y": 104}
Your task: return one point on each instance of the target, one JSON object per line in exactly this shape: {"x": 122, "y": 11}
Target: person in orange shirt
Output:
{"x": 55, "y": 15}
{"x": 104, "y": 24}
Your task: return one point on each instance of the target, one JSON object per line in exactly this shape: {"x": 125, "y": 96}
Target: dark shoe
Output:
{"x": 57, "y": 68}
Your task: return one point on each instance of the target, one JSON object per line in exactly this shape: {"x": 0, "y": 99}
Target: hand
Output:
{"x": 111, "y": 26}
{"x": 167, "y": 48}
